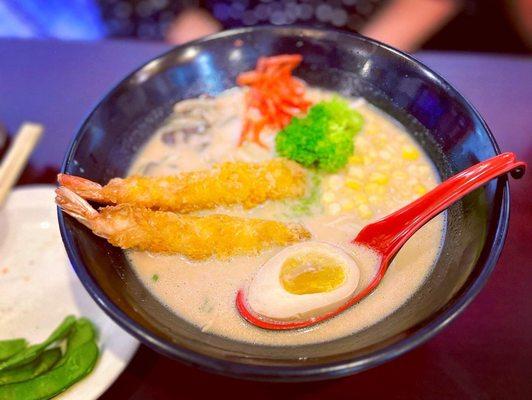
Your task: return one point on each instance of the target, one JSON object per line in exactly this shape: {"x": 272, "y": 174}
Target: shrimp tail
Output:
{"x": 196, "y": 237}
{"x": 85, "y": 188}
{"x": 75, "y": 206}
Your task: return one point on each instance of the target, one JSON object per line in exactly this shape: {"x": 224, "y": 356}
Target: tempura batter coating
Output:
{"x": 225, "y": 184}
{"x": 196, "y": 237}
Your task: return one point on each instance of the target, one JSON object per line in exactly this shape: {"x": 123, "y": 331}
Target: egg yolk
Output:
{"x": 311, "y": 273}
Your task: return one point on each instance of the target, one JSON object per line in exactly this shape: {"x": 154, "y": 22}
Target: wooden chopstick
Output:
{"x": 17, "y": 156}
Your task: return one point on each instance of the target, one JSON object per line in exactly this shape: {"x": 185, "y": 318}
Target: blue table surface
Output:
{"x": 486, "y": 353}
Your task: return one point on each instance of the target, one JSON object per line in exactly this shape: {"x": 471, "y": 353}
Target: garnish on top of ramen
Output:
{"x": 322, "y": 139}
{"x": 274, "y": 95}
{"x": 225, "y": 184}
{"x": 196, "y": 237}
{"x": 310, "y": 203}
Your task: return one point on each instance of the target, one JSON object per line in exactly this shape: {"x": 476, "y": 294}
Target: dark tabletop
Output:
{"x": 486, "y": 353}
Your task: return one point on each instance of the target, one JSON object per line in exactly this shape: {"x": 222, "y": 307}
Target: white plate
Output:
{"x": 38, "y": 287}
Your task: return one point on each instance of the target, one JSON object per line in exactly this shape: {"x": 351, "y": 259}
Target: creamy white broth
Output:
{"x": 204, "y": 292}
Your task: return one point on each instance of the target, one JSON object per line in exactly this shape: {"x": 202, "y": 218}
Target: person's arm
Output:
{"x": 521, "y": 14}
{"x": 407, "y": 24}
{"x": 193, "y": 23}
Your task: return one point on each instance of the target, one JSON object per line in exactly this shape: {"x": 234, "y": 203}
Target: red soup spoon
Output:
{"x": 388, "y": 235}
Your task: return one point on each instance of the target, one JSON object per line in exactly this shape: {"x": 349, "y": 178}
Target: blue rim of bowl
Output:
{"x": 421, "y": 332}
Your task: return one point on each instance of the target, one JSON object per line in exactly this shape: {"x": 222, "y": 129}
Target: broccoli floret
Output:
{"x": 324, "y": 138}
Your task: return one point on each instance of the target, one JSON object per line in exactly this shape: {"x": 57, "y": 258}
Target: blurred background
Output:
{"x": 75, "y": 41}
{"x": 503, "y": 26}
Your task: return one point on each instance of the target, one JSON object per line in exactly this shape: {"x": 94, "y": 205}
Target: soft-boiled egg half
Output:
{"x": 303, "y": 281}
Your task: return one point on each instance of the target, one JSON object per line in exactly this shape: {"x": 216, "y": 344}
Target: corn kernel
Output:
{"x": 372, "y": 129}
{"x": 400, "y": 175}
{"x": 336, "y": 182}
{"x": 409, "y": 152}
{"x": 379, "y": 178}
{"x": 424, "y": 170}
{"x": 420, "y": 189}
{"x": 385, "y": 167}
{"x": 371, "y": 188}
{"x": 411, "y": 181}
{"x": 364, "y": 211}
{"x": 374, "y": 199}
{"x": 380, "y": 141}
{"x": 328, "y": 197}
{"x": 355, "y": 185}
{"x": 334, "y": 209}
{"x": 361, "y": 142}
{"x": 385, "y": 155}
{"x": 356, "y": 172}
{"x": 360, "y": 198}
{"x": 355, "y": 159}
{"x": 348, "y": 205}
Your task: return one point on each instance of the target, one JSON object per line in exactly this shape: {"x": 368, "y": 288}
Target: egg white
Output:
{"x": 267, "y": 297}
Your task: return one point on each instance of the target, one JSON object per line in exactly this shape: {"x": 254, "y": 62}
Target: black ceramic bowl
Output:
{"x": 438, "y": 117}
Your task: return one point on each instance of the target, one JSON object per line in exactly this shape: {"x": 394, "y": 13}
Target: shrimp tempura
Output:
{"x": 196, "y": 237}
{"x": 226, "y": 184}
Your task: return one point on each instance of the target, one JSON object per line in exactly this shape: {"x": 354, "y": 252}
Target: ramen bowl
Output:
{"x": 450, "y": 131}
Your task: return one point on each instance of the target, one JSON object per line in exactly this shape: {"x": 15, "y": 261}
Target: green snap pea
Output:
{"x": 35, "y": 368}
{"x": 82, "y": 332}
{"x": 32, "y": 352}
{"x": 11, "y": 347}
{"x": 79, "y": 359}
{"x": 77, "y": 365}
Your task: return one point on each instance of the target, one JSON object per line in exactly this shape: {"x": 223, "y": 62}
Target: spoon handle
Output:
{"x": 388, "y": 235}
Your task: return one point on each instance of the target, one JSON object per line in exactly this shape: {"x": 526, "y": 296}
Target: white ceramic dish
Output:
{"x": 38, "y": 287}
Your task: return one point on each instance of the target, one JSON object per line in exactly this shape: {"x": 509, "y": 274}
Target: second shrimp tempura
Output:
{"x": 196, "y": 237}
{"x": 225, "y": 184}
